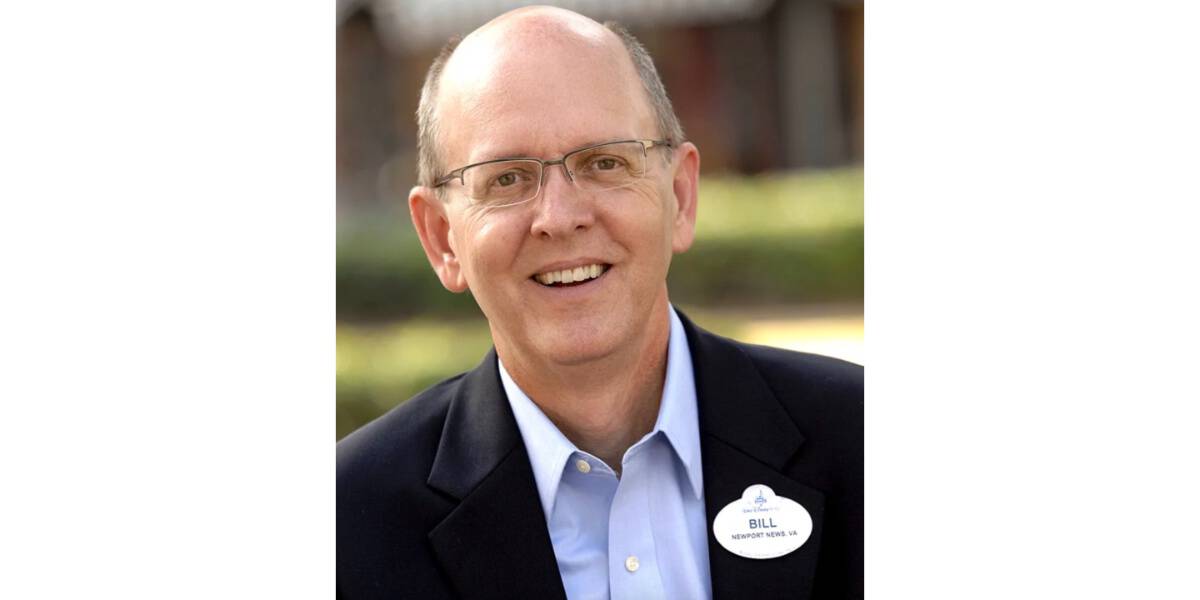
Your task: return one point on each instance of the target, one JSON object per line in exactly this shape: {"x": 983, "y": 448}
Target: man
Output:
{"x": 592, "y": 453}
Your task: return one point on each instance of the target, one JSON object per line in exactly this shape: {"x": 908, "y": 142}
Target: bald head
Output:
{"x": 529, "y": 58}
{"x": 551, "y": 36}
{"x": 543, "y": 23}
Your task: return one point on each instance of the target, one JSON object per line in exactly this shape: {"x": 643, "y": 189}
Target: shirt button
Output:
{"x": 583, "y": 466}
{"x": 631, "y": 563}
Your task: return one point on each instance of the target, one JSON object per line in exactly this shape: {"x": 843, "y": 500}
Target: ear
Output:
{"x": 686, "y": 186}
{"x": 433, "y": 227}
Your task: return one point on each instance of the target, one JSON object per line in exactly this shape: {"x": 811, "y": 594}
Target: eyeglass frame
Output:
{"x": 647, "y": 145}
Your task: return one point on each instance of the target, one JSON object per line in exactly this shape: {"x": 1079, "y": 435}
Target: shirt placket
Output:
{"x": 633, "y": 570}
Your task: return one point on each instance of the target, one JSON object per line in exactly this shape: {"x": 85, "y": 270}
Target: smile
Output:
{"x": 573, "y": 276}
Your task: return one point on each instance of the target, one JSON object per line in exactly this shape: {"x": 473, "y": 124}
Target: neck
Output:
{"x": 606, "y": 405}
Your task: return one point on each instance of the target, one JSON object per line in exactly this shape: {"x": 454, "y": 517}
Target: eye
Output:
{"x": 509, "y": 178}
{"x": 605, "y": 163}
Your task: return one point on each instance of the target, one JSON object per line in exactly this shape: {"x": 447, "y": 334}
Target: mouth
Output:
{"x": 571, "y": 277}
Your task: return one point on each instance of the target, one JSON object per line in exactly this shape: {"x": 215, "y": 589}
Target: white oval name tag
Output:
{"x": 762, "y": 525}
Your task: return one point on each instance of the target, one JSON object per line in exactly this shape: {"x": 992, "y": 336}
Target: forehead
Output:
{"x": 538, "y": 92}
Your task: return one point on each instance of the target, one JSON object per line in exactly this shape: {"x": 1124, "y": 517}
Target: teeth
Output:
{"x": 570, "y": 275}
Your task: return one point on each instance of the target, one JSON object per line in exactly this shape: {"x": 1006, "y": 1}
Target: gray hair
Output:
{"x": 664, "y": 114}
{"x": 429, "y": 163}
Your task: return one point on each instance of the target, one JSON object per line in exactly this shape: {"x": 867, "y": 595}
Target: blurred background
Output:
{"x": 770, "y": 91}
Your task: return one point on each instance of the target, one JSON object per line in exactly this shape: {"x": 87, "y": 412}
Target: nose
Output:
{"x": 561, "y": 208}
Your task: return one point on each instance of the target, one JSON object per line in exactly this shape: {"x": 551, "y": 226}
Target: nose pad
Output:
{"x": 558, "y": 163}
{"x": 560, "y": 212}
{"x": 547, "y": 168}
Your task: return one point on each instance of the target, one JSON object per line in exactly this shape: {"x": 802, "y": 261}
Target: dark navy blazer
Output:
{"x": 436, "y": 498}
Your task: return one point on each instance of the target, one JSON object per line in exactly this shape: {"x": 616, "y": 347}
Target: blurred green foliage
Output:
{"x": 787, "y": 204}
{"x": 785, "y": 239}
{"x": 379, "y": 366}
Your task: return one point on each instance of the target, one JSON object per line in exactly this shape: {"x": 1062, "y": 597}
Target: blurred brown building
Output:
{"x": 758, "y": 84}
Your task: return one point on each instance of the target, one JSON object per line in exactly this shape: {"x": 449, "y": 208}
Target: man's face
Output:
{"x": 516, "y": 96}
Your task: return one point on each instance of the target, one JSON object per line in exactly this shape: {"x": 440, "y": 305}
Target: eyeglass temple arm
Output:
{"x": 448, "y": 177}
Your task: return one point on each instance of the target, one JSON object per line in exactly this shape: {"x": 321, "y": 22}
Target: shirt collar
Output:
{"x": 547, "y": 447}
{"x": 678, "y": 420}
{"x": 678, "y": 417}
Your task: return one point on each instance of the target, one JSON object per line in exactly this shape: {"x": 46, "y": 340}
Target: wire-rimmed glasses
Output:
{"x": 508, "y": 181}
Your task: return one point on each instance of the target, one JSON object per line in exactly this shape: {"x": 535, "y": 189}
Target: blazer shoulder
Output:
{"x": 803, "y": 368}
{"x": 811, "y": 385}
{"x": 385, "y": 508}
{"x": 403, "y": 439}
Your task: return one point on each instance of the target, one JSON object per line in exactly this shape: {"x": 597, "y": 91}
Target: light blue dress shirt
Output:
{"x": 641, "y": 536}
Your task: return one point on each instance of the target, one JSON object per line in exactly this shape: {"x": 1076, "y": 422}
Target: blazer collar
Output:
{"x": 479, "y": 432}
{"x": 747, "y": 438}
{"x": 495, "y": 543}
{"x": 736, "y": 405}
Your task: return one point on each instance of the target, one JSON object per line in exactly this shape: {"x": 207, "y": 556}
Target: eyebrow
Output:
{"x": 493, "y": 156}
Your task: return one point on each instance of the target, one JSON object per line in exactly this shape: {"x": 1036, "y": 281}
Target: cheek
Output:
{"x": 657, "y": 217}
{"x": 642, "y": 224}
{"x": 490, "y": 247}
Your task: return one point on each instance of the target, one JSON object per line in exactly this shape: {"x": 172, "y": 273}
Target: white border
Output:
{"x": 167, "y": 329}
{"x": 1031, "y": 310}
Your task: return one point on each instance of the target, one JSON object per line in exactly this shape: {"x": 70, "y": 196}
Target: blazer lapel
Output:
{"x": 747, "y": 438}
{"x": 495, "y": 544}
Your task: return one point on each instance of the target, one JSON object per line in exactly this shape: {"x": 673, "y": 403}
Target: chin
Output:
{"x": 574, "y": 347}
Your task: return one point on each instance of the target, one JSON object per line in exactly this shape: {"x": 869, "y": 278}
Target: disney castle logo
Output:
{"x": 759, "y": 503}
